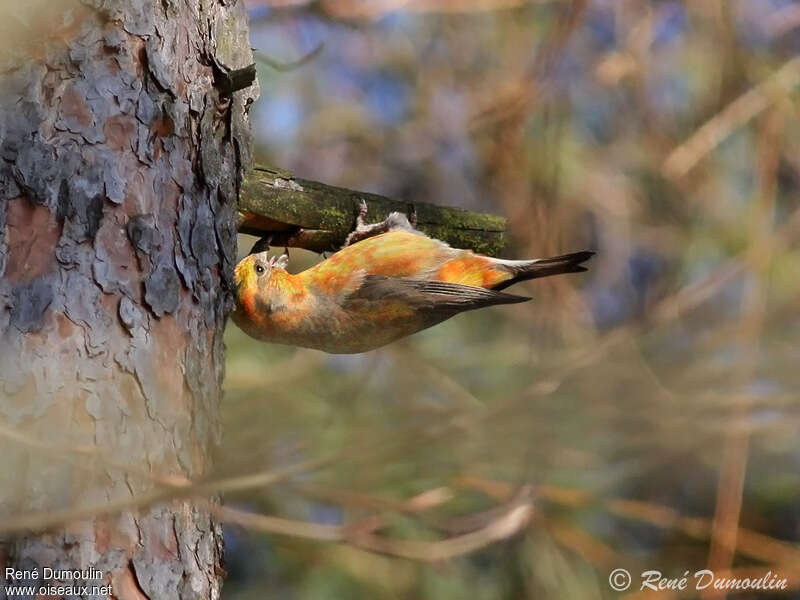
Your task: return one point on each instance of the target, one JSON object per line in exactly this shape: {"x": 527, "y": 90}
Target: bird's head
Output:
{"x": 253, "y": 274}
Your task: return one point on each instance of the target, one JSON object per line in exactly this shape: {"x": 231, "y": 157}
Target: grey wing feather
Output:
{"x": 432, "y": 295}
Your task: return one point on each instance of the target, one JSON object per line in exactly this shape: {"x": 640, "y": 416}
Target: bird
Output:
{"x": 387, "y": 282}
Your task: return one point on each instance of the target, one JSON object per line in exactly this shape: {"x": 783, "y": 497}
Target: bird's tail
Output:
{"x": 543, "y": 267}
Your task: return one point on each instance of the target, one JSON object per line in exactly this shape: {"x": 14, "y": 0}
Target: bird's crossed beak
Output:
{"x": 262, "y": 247}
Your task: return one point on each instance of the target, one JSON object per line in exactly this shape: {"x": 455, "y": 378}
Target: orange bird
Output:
{"x": 377, "y": 290}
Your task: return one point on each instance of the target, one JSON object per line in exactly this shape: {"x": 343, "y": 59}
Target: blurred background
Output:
{"x": 643, "y": 415}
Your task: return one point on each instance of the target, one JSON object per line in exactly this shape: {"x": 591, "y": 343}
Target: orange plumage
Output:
{"x": 376, "y": 291}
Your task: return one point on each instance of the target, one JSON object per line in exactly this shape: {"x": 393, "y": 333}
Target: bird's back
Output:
{"x": 402, "y": 253}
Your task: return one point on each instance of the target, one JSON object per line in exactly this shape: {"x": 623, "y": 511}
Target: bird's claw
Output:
{"x": 412, "y": 216}
{"x": 263, "y": 245}
{"x": 395, "y": 220}
{"x": 363, "y": 209}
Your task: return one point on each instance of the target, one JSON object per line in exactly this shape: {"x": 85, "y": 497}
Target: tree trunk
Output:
{"x": 121, "y": 163}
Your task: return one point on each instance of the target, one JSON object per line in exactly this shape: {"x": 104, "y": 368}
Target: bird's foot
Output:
{"x": 363, "y": 230}
{"x": 395, "y": 220}
{"x": 412, "y": 216}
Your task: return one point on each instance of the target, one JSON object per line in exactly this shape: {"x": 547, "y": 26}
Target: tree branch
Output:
{"x": 315, "y": 216}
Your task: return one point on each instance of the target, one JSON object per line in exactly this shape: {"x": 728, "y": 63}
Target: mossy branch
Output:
{"x": 315, "y": 216}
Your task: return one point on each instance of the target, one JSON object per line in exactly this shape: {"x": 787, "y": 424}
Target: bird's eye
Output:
{"x": 259, "y": 269}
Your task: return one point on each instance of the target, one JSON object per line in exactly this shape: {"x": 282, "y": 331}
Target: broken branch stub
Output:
{"x": 307, "y": 214}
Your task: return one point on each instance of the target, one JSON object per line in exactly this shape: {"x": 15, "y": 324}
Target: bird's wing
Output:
{"x": 429, "y": 296}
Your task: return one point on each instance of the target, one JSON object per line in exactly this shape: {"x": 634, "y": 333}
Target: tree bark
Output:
{"x": 121, "y": 164}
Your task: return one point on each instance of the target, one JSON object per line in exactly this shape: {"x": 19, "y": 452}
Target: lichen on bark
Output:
{"x": 316, "y": 216}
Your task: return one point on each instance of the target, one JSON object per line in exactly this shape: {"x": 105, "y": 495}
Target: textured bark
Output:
{"x": 316, "y": 216}
{"x": 120, "y": 169}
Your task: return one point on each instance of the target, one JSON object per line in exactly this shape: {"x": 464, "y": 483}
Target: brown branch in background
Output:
{"x": 351, "y": 499}
{"x": 580, "y": 541}
{"x": 43, "y": 520}
{"x": 37, "y": 520}
{"x": 513, "y": 517}
{"x": 511, "y": 523}
{"x": 514, "y": 105}
{"x": 315, "y": 216}
{"x": 752, "y": 544}
{"x": 505, "y": 520}
{"x": 730, "y": 487}
{"x": 276, "y": 525}
{"x": 526, "y": 177}
{"x": 735, "y": 115}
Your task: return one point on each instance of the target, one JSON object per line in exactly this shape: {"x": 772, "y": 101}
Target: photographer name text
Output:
{"x": 55, "y": 582}
{"x": 704, "y": 579}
